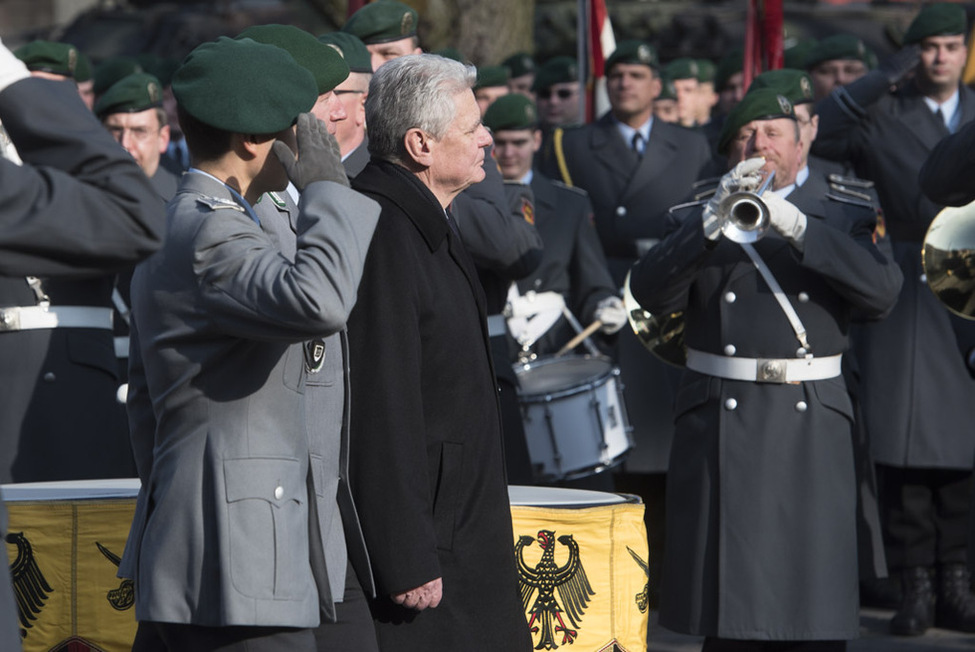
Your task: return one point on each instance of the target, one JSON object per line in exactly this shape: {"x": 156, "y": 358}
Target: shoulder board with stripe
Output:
{"x": 855, "y": 201}
{"x": 277, "y": 200}
{"x": 850, "y": 192}
{"x": 216, "y": 203}
{"x": 849, "y": 181}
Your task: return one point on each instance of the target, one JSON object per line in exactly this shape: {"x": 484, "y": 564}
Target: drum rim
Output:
{"x": 586, "y": 385}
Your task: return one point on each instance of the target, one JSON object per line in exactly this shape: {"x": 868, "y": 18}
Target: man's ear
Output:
{"x": 419, "y": 146}
{"x": 163, "y": 138}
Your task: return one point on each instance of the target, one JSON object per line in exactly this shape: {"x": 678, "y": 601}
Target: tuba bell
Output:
{"x": 948, "y": 259}
{"x": 662, "y": 335}
{"x": 743, "y": 216}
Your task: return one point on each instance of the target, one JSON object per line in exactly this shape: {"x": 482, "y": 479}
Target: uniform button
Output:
{"x": 621, "y": 211}
{"x": 730, "y": 297}
{"x": 50, "y": 377}
{"x": 730, "y": 349}
{"x": 803, "y": 297}
{"x": 801, "y": 406}
{"x": 279, "y": 492}
{"x": 730, "y": 404}
{"x": 923, "y": 278}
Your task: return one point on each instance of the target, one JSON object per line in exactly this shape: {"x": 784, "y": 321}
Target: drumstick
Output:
{"x": 574, "y": 342}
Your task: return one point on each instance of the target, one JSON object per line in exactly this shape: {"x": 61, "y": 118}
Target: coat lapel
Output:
{"x": 918, "y": 120}
{"x": 659, "y": 154}
{"x": 610, "y": 151}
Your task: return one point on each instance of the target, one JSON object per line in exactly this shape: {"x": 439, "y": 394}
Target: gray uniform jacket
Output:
{"x": 357, "y": 159}
{"x": 78, "y": 206}
{"x": 916, "y": 390}
{"x": 761, "y": 489}
{"x": 221, "y": 534}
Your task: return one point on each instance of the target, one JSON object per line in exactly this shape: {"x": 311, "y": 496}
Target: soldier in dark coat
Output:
{"x": 761, "y": 523}
{"x": 73, "y": 175}
{"x": 427, "y": 461}
{"x": 918, "y": 393}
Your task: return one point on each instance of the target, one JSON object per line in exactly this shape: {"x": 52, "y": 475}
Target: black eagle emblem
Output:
{"x": 643, "y": 597}
{"x": 547, "y": 578}
{"x": 30, "y": 587}
{"x": 123, "y": 597}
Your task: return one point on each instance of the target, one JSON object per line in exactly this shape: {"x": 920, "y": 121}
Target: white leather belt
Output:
{"x": 22, "y": 318}
{"x": 764, "y": 370}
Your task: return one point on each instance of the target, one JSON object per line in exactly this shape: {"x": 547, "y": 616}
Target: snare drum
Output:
{"x": 574, "y": 417}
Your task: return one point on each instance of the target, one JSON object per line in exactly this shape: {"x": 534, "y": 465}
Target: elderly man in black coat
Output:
{"x": 426, "y": 460}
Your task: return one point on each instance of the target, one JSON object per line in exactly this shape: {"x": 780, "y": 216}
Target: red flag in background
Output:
{"x": 763, "y": 38}
{"x": 600, "y": 43}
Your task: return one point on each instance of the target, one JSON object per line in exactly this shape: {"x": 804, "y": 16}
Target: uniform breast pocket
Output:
{"x": 267, "y": 526}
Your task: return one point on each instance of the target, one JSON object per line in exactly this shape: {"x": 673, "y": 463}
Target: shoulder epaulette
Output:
{"x": 562, "y": 186}
{"x": 863, "y": 202}
{"x": 850, "y": 192}
{"x": 216, "y": 203}
{"x": 277, "y": 200}
{"x": 854, "y": 182}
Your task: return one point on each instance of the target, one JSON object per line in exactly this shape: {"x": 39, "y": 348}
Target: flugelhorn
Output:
{"x": 743, "y": 216}
{"x": 948, "y": 258}
{"x": 662, "y": 335}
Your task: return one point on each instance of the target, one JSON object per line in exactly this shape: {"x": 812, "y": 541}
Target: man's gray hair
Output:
{"x": 415, "y": 91}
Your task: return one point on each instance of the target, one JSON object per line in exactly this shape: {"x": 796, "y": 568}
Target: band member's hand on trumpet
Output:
{"x": 747, "y": 176}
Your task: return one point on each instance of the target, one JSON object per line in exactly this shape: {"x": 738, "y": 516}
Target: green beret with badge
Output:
{"x": 351, "y": 48}
{"x": 758, "y": 104}
{"x": 488, "y": 76}
{"x": 82, "y": 72}
{"x": 137, "y": 92}
{"x": 796, "y": 85}
{"x": 633, "y": 51}
{"x": 942, "y": 19}
{"x": 683, "y": 68}
{"x": 112, "y": 70}
{"x": 520, "y": 64}
{"x": 325, "y": 63}
{"x": 667, "y": 89}
{"x": 729, "y": 65}
{"x": 557, "y": 70}
{"x": 49, "y": 56}
{"x": 705, "y": 71}
{"x": 512, "y": 111}
{"x": 242, "y": 86}
{"x": 837, "y": 46}
{"x": 382, "y": 21}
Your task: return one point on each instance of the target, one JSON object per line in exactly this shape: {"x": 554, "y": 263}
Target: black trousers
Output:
{"x": 713, "y": 644}
{"x": 925, "y": 515}
{"x": 177, "y": 637}
{"x": 353, "y": 629}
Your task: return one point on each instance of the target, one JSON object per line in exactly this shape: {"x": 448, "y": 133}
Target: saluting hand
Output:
{"x": 319, "y": 157}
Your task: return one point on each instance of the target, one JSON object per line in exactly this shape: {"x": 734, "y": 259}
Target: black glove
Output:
{"x": 896, "y": 66}
{"x": 854, "y": 98}
{"x": 319, "y": 158}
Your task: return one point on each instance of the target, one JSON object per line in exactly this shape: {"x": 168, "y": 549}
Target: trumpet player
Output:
{"x": 761, "y": 490}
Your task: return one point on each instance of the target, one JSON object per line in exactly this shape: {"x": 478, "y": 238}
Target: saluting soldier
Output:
{"x": 917, "y": 391}
{"x": 761, "y": 495}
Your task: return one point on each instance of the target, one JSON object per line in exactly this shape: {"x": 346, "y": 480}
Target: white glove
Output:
{"x": 611, "y": 312}
{"x": 745, "y": 176}
{"x": 12, "y": 69}
{"x": 531, "y": 303}
{"x": 788, "y": 220}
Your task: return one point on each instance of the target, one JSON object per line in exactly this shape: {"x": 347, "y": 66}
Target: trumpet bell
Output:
{"x": 948, "y": 258}
{"x": 662, "y": 335}
{"x": 745, "y": 218}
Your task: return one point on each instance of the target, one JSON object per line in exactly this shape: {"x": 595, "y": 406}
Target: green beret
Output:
{"x": 162, "y": 68}
{"x": 322, "y": 61}
{"x": 705, "y": 71}
{"x": 795, "y": 85}
{"x": 556, "y": 70}
{"x": 82, "y": 71}
{"x": 837, "y": 46}
{"x": 796, "y": 54}
{"x": 382, "y": 21}
{"x": 520, "y": 64}
{"x": 111, "y": 70}
{"x": 760, "y": 104}
{"x": 730, "y": 64}
{"x": 940, "y": 19}
{"x": 352, "y": 48}
{"x": 633, "y": 51}
{"x": 242, "y": 86}
{"x": 49, "y": 56}
{"x": 683, "y": 68}
{"x": 512, "y": 111}
{"x": 667, "y": 90}
{"x": 491, "y": 76}
{"x": 451, "y": 53}
{"x": 137, "y": 92}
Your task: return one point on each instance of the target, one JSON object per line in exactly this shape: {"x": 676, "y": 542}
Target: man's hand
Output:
{"x": 786, "y": 218}
{"x": 898, "y": 65}
{"x": 422, "y": 597}
{"x": 319, "y": 157}
{"x": 746, "y": 176}
{"x": 12, "y": 69}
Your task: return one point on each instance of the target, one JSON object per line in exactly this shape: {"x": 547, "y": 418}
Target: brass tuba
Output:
{"x": 662, "y": 335}
{"x": 948, "y": 258}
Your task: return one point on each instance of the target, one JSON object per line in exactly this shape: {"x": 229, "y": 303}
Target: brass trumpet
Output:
{"x": 744, "y": 216}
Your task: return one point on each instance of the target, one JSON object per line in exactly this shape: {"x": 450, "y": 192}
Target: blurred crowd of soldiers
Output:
{"x": 747, "y": 528}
